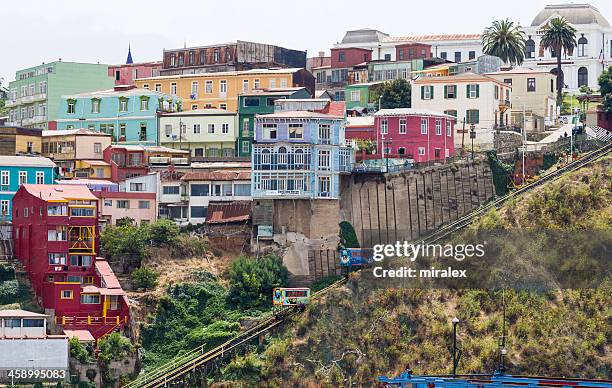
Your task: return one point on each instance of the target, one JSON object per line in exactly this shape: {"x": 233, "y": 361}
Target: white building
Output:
{"x": 204, "y": 132}
{"x": 473, "y": 99}
{"x": 454, "y": 47}
{"x": 594, "y": 44}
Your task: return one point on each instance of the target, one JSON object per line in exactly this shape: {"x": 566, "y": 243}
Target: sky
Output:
{"x": 86, "y": 31}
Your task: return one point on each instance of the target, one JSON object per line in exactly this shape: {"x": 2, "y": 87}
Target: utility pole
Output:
{"x": 462, "y": 136}
{"x": 456, "y": 352}
{"x": 524, "y": 142}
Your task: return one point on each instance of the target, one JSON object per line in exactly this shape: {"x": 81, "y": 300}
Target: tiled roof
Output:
{"x": 59, "y": 192}
{"x": 336, "y": 108}
{"x": 217, "y": 175}
{"x": 221, "y": 213}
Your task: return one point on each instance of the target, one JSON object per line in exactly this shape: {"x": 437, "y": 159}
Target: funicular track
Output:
{"x": 169, "y": 374}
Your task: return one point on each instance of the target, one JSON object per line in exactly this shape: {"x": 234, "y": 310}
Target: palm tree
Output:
{"x": 559, "y": 35}
{"x": 506, "y": 40}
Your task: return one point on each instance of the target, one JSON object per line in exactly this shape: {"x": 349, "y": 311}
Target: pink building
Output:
{"x": 416, "y": 134}
{"x": 125, "y": 74}
{"x": 139, "y": 206}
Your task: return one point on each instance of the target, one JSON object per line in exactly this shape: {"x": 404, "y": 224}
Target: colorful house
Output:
{"x": 221, "y": 89}
{"x": 71, "y": 283}
{"x": 69, "y": 148}
{"x": 35, "y": 94}
{"x": 125, "y": 74}
{"x": 20, "y": 141}
{"x": 299, "y": 154}
{"x": 18, "y": 170}
{"x": 415, "y": 134}
{"x": 127, "y": 113}
{"x": 126, "y": 161}
{"x": 141, "y": 207}
{"x": 259, "y": 102}
{"x": 362, "y": 98}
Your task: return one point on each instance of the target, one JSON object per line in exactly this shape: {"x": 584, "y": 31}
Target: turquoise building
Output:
{"x": 35, "y": 94}
{"x": 129, "y": 114}
{"x": 18, "y": 170}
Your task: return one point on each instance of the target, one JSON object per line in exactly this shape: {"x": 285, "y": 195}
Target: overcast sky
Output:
{"x": 74, "y": 30}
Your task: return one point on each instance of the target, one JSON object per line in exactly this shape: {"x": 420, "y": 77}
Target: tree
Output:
{"x": 145, "y": 278}
{"x": 559, "y": 36}
{"x": 394, "y": 94}
{"x": 605, "y": 89}
{"x": 252, "y": 280}
{"x": 163, "y": 232}
{"x": 128, "y": 240}
{"x": 505, "y": 40}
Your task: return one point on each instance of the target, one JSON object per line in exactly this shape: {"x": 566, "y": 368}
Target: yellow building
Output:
{"x": 68, "y": 146}
{"x": 20, "y": 141}
{"x": 221, "y": 89}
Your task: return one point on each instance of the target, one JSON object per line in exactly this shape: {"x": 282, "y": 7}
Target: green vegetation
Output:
{"x": 322, "y": 283}
{"x": 83, "y": 354}
{"x": 348, "y": 237}
{"x": 505, "y": 40}
{"x": 393, "y": 94}
{"x": 559, "y": 36}
{"x": 113, "y": 347}
{"x": 605, "y": 89}
{"x": 163, "y": 232}
{"x": 501, "y": 172}
{"x": 145, "y": 278}
{"x": 252, "y": 281}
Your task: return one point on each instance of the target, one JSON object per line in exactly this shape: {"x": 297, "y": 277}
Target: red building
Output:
{"x": 415, "y": 134}
{"x": 349, "y": 57}
{"x": 126, "y": 161}
{"x": 410, "y": 51}
{"x": 55, "y": 236}
{"x": 126, "y": 74}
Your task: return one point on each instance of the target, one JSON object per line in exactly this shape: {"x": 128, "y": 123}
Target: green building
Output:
{"x": 259, "y": 102}
{"x": 362, "y": 97}
{"x": 34, "y": 96}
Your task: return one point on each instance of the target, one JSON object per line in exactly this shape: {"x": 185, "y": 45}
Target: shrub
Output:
{"x": 6, "y": 273}
{"x": 145, "y": 278}
{"x": 348, "y": 237}
{"x": 125, "y": 221}
{"x": 163, "y": 232}
{"x": 9, "y": 291}
{"x": 190, "y": 246}
{"x": 252, "y": 281}
{"x": 124, "y": 240}
{"x": 113, "y": 347}
{"x": 79, "y": 351}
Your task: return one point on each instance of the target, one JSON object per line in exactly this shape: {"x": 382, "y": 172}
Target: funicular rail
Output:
{"x": 197, "y": 357}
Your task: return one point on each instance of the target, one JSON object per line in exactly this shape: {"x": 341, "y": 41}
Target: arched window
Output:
{"x": 583, "y": 77}
{"x": 530, "y": 48}
{"x": 401, "y": 151}
{"x": 282, "y": 155}
{"x": 299, "y": 157}
{"x": 265, "y": 157}
{"x": 582, "y": 46}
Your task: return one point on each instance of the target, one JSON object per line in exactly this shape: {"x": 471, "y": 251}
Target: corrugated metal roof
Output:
{"x": 20, "y": 314}
{"x": 106, "y": 273}
{"x": 410, "y": 111}
{"x": 26, "y": 161}
{"x": 217, "y": 175}
{"x": 299, "y": 114}
{"x": 59, "y": 192}
{"x": 221, "y": 213}
{"x": 431, "y": 38}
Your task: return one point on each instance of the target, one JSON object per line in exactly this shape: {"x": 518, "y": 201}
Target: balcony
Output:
{"x": 33, "y": 98}
{"x": 11, "y": 103}
{"x": 504, "y": 104}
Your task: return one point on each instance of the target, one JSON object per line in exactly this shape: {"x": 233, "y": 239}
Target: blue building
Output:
{"x": 18, "y": 170}
{"x": 127, "y": 113}
{"x": 299, "y": 154}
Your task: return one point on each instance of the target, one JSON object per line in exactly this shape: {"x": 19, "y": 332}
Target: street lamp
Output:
{"x": 472, "y": 136}
{"x": 456, "y": 352}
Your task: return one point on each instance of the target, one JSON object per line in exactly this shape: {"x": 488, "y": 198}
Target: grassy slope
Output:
{"x": 357, "y": 333}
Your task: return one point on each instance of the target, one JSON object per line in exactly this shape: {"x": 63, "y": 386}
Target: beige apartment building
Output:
{"x": 70, "y": 148}
{"x": 533, "y": 90}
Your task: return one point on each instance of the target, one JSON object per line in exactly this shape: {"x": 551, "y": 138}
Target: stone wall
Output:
{"x": 507, "y": 141}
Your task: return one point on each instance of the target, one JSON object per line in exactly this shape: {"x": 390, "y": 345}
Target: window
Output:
{"x": 324, "y": 159}
{"x": 245, "y": 146}
{"x": 95, "y": 106}
{"x": 473, "y": 91}
{"x": 496, "y": 92}
{"x": 583, "y": 77}
{"x": 245, "y": 85}
{"x": 173, "y": 88}
{"x": 144, "y": 103}
{"x": 448, "y": 128}
{"x": 90, "y": 299}
{"x": 272, "y": 83}
{"x": 137, "y": 186}
{"x": 341, "y": 56}
{"x": 117, "y": 75}
{"x": 196, "y": 128}
{"x": 269, "y": 131}
{"x": 158, "y": 87}
{"x": 472, "y": 55}
{"x": 225, "y": 128}
{"x": 223, "y": 86}
{"x": 325, "y": 133}
{"x": 57, "y": 258}
{"x": 450, "y": 91}
{"x": 457, "y": 56}
{"x": 123, "y": 204}
{"x": 384, "y": 126}
{"x": 427, "y": 92}
{"x": 242, "y": 189}
{"x": 421, "y": 151}
{"x": 387, "y": 57}
{"x": 108, "y": 203}
{"x": 472, "y": 116}
{"x": 71, "y": 106}
{"x": 74, "y": 279}
{"x": 582, "y": 46}
{"x": 282, "y": 155}
{"x": 402, "y": 126}
{"x": 145, "y": 86}
{"x": 57, "y": 210}
{"x": 208, "y": 87}
{"x": 23, "y": 177}
{"x": 424, "y": 126}
{"x": 81, "y": 211}
{"x": 33, "y": 322}
{"x": 400, "y": 54}
{"x": 256, "y": 83}
{"x": 4, "y": 206}
{"x": 223, "y": 106}
{"x": 4, "y": 178}
{"x": 42, "y": 87}
{"x": 211, "y": 128}
{"x": 296, "y": 131}
{"x": 355, "y": 95}
{"x": 170, "y": 190}
{"x": 531, "y": 84}
{"x": 66, "y": 294}
{"x": 251, "y": 101}
{"x": 144, "y": 205}
{"x": 266, "y": 157}
{"x": 123, "y": 105}
{"x": 438, "y": 127}
{"x": 194, "y": 106}
{"x": 97, "y": 148}
{"x": 199, "y": 211}
{"x": 443, "y": 55}
{"x": 200, "y": 190}
{"x": 81, "y": 260}
{"x": 324, "y": 186}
